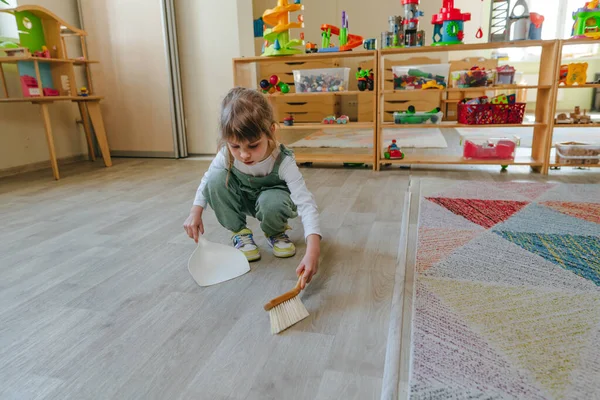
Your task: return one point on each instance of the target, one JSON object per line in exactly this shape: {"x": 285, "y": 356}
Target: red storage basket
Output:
{"x": 485, "y": 114}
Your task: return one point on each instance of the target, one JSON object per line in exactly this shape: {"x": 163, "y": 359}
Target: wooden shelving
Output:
{"x": 307, "y": 126}
{"x": 387, "y": 100}
{"x": 450, "y": 124}
{"x": 50, "y": 99}
{"x": 11, "y": 60}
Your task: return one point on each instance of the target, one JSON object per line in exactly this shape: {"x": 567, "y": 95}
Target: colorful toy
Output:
{"x": 587, "y": 21}
{"x": 366, "y": 79}
{"x": 418, "y": 79}
{"x": 523, "y": 25}
{"x": 411, "y": 36}
{"x": 370, "y": 44}
{"x": 277, "y": 39}
{"x": 44, "y": 53}
{"x": 29, "y": 86}
{"x": 475, "y": 77}
{"x": 343, "y": 119}
{"x": 323, "y": 80}
{"x": 432, "y": 85}
{"x": 501, "y": 109}
{"x": 449, "y": 25}
{"x": 574, "y": 73}
{"x": 393, "y": 152}
{"x": 311, "y": 47}
{"x": 83, "y": 92}
{"x": 289, "y": 120}
{"x": 347, "y": 41}
{"x": 273, "y": 85}
{"x": 505, "y": 75}
{"x": 411, "y": 116}
{"x": 329, "y": 120}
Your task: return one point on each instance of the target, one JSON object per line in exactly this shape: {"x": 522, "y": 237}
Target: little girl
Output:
{"x": 254, "y": 175}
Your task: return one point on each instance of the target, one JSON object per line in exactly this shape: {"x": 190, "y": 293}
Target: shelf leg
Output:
{"x": 98, "y": 124}
{"x": 50, "y": 139}
{"x": 86, "y": 127}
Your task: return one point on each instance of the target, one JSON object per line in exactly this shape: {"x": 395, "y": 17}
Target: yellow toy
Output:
{"x": 577, "y": 74}
{"x": 277, "y": 38}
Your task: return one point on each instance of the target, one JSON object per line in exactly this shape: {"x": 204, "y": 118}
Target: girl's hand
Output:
{"x": 310, "y": 263}
{"x": 193, "y": 224}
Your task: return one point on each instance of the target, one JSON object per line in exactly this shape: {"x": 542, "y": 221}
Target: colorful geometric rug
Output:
{"x": 507, "y": 292}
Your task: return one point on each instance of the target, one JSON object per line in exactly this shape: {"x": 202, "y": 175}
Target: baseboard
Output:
{"x": 41, "y": 165}
{"x": 142, "y": 154}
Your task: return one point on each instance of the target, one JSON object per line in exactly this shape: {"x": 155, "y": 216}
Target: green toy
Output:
{"x": 277, "y": 38}
{"x": 411, "y": 116}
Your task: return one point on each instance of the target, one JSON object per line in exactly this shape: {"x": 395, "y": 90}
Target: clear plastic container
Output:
{"x": 576, "y": 153}
{"x": 427, "y": 76}
{"x": 419, "y": 117}
{"x": 321, "y": 80}
{"x": 482, "y": 148}
{"x": 473, "y": 78}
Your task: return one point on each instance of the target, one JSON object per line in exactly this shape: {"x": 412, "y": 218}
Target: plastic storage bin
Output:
{"x": 321, "y": 80}
{"x": 429, "y": 76}
{"x": 473, "y": 78}
{"x": 576, "y": 153}
{"x": 485, "y": 114}
{"x": 419, "y": 117}
{"x": 480, "y": 148}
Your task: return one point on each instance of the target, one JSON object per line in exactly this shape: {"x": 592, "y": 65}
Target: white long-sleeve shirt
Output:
{"x": 288, "y": 172}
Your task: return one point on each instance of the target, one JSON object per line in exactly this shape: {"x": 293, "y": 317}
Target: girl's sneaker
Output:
{"x": 282, "y": 245}
{"x": 244, "y": 241}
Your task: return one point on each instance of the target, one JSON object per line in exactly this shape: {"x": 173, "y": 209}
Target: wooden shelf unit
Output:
{"x": 309, "y": 109}
{"x": 550, "y": 152}
{"x": 55, "y": 72}
{"x": 387, "y": 100}
{"x": 546, "y": 97}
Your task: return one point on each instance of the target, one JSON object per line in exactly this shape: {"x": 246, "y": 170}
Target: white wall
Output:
{"x": 210, "y": 34}
{"x": 369, "y": 19}
{"x": 22, "y": 138}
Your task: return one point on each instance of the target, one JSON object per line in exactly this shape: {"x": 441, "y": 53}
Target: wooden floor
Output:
{"x": 97, "y": 301}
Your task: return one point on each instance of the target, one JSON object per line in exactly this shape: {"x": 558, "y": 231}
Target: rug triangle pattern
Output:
{"x": 587, "y": 211}
{"x": 492, "y": 259}
{"x": 452, "y": 361}
{"x": 485, "y": 213}
{"x": 578, "y": 254}
{"x": 529, "y": 190}
{"x": 545, "y": 333}
{"x": 437, "y": 244}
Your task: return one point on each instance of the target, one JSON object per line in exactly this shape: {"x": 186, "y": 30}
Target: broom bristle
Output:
{"x": 287, "y": 314}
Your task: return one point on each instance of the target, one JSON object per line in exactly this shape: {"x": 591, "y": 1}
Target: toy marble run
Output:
{"x": 587, "y": 21}
{"x": 449, "y": 25}
{"x": 277, "y": 39}
{"x": 347, "y": 40}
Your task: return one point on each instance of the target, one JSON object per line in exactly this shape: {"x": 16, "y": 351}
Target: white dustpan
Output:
{"x": 213, "y": 263}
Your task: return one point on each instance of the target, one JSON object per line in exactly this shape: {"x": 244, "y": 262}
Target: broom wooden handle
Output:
{"x": 285, "y": 297}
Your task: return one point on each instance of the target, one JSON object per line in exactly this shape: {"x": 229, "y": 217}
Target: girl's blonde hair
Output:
{"x": 246, "y": 115}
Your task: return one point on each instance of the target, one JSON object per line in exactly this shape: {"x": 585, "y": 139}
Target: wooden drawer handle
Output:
{"x": 297, "y": 103}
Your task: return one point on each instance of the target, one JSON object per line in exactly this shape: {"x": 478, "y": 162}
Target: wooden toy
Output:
{"x": 277, "y": 38}
{"x": 449, "y": 25}
{"x": 587, "y": 21}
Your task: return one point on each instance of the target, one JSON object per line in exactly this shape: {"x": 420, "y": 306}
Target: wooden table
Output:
{"x": 88, "y": 107}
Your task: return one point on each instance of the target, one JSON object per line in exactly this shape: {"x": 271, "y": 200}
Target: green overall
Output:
{"x": 266, "y": 198}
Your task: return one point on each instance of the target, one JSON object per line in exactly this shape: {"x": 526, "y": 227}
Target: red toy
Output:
{"x": 394, "y": 152}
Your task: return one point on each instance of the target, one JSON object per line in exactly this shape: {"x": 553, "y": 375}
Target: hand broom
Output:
{"x": 286, "y": 310}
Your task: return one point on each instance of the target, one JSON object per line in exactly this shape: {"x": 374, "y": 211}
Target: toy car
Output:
{"x": 394, "y": 152}
{"x": 330, "y": 119}
{"x": 343, "y": 119}
{"x": 311, "y": 47}
{"x": 289, "y": 120}
{"x": 411, "y": 116}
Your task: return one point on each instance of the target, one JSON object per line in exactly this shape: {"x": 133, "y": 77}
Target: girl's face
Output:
{"x": 250, "y": 153}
